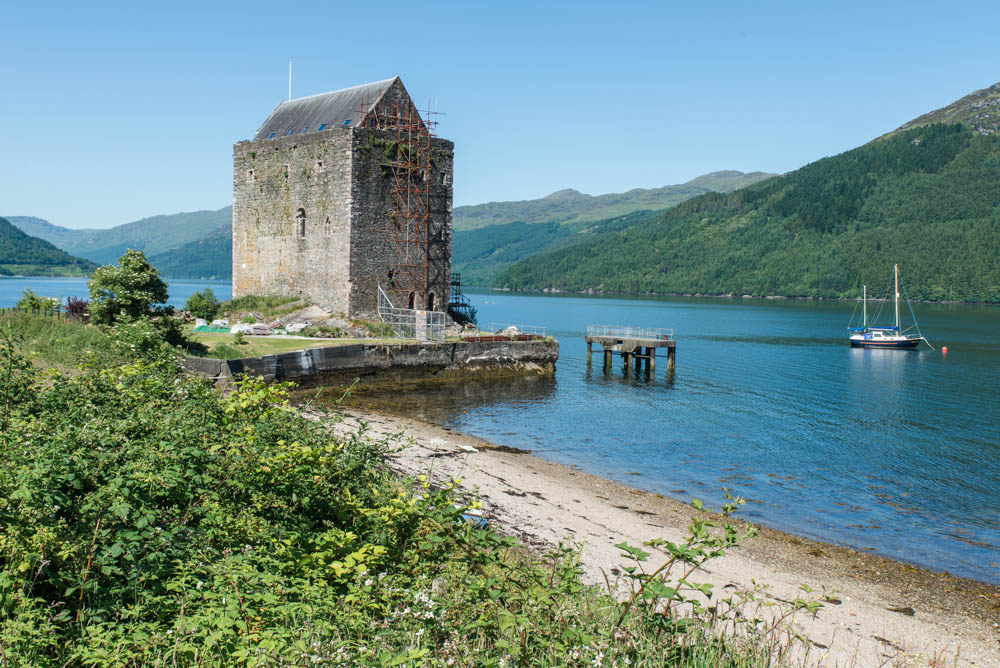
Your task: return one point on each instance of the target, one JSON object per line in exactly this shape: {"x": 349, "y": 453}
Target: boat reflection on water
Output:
{"x": 442, "y": 402}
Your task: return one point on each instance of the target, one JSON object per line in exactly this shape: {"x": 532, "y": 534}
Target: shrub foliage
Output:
{"x": 127, "y": 290}
{"x": 146, "y": 519}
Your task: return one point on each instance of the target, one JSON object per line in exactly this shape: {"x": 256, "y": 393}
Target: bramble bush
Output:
{"x": 148, "y": 519}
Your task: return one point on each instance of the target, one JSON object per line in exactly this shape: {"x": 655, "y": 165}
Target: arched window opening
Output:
{"x": 300, "y": 223}
{"x": 430, "y": 302}
{"x": 412, "y": 299}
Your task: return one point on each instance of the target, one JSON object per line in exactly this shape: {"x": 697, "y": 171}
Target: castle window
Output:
{"x": 271, "y": 136}
{"x": 320, "y": 128}
{"x": 430, "y": 302}
{"x": 446, "y": 179}
{"x": 410, "y": 301}
{"x": 319, "y": 165}
{"x": 300, "y": 223}
{"x": 250, "y": 175}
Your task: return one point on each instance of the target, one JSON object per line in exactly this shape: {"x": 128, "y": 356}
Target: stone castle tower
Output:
{"x": 342, "y": 193}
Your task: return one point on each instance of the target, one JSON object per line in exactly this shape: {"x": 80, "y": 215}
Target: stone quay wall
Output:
{"x": 382, "y": 362}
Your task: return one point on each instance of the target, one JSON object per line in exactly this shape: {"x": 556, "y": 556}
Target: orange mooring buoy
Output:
{"x": 944, "y": 349}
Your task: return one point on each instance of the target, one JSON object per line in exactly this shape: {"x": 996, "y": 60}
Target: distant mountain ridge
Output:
{"x": 173, "y": 242}
{"x": 979, "y": 111}
{"x": 154, "y": 235}
{"x": 25, "y": 255}
{"x": 573, "y": 208}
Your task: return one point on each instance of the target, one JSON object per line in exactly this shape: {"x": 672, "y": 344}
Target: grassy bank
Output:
{"x": 150, "y": 520}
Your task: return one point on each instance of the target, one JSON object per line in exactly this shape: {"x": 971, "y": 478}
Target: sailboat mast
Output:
{"x": 864, "y": 305}
{"x": 895, "y": 280}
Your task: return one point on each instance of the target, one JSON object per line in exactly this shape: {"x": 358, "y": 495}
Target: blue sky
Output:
{"x": 112, "y": 112}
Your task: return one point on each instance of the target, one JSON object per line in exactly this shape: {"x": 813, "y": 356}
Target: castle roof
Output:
{"x": 339, "y": 108}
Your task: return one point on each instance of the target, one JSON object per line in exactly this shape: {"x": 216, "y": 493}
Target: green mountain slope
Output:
{"x": 208, "y": 257}
{"x": 927, "y": 198}
{"x": 154, "y": 235}
{"x": 26, "y": 255}
{"x": 570, "y": 207}
{"x": 480, "y": 255}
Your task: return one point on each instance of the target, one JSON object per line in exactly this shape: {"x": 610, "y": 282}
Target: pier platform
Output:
{"x": 635, "y": 344}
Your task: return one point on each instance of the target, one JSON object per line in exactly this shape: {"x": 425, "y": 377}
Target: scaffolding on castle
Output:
{"x": 409, "y": 162}
{"x": 408, "y": 323}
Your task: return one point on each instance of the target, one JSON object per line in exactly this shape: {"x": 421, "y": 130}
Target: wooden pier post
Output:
{"x": 633, "y": 345}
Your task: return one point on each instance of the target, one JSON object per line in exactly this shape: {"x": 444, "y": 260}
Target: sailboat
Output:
{"x": 885, "y": 337}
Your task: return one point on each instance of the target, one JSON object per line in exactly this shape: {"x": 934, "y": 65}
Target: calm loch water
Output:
{"x": 892, "y": 451}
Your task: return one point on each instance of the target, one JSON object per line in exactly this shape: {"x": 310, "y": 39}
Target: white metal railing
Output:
{"x": 506, "y": 328}
{"x": 408, "y": 323}
{"x": 647, "y": 333}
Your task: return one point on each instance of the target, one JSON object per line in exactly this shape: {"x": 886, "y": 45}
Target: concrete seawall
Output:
{"x": 380, "y": 362}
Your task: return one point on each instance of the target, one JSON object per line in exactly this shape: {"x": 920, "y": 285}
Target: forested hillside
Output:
{"x": 482, "y": 254}
{"x": 927, "y": 198}
{"x": 24, "y": 255}
{"x": 209, "y": 257}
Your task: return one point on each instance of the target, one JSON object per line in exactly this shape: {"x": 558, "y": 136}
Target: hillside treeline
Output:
{"x": 27, "y": 255}
{"x": 927, "y": 199}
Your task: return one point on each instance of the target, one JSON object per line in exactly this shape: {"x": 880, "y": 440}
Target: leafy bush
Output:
{"x": 76, "y": 309}
{"x": 29, "y": 301}
{"x": 149, "y": 520}
{"x": 125, "y": 291}
{"x": 202, "y": 304}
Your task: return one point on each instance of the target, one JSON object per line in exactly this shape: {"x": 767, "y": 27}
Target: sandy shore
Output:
{"x": 881, "y": 612}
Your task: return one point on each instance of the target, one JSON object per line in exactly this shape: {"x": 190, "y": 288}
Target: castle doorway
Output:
{"x": 411, "y": 301}
{"x": 430, "y": 302}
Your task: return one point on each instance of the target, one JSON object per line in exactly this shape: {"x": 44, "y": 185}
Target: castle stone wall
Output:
{"x": 275, "y": 252}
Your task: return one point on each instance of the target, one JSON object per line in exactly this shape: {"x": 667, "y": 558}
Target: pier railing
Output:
{"x": 643, "y": 333}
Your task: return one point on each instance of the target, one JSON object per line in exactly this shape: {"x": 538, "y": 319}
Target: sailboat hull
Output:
{"x": 907, "y": 344}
